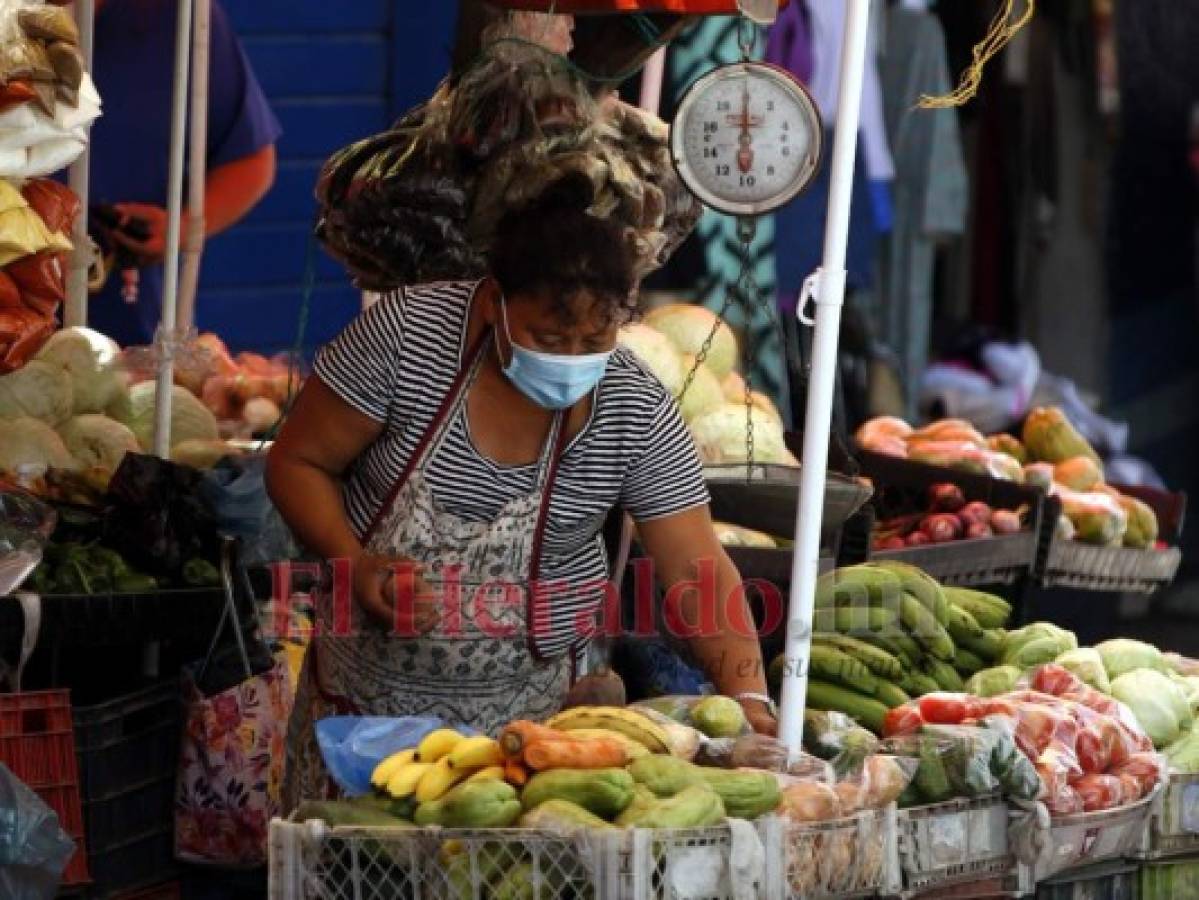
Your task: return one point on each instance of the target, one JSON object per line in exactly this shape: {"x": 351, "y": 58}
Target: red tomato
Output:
{"x": 902, "y": 720}
{"x": 945, "y": 709}
{"x": 1056, "y": 680}
{"x": 1146, "y": 768}
{"x": 1099, "y": 792}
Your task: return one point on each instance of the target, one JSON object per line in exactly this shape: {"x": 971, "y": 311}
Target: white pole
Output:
{"x": 197, "y": 166}
{"x": 170, "y": 292}
{"x": 829, "y": 295}
{"x": 75, "y": 312}
{"x": 651, "y": 81}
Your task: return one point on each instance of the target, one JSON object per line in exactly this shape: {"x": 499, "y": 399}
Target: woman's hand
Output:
{"x": 760, "y": 718}
{"x": 391, "y": 591}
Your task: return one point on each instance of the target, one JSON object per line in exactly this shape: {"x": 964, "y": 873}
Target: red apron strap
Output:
{"x": 418, "y": 453}
{"x": 543, "y": 514}
{"x": 343, "y": 705}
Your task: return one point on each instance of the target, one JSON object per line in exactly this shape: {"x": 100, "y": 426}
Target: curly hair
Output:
{"x": 556, "y": 250}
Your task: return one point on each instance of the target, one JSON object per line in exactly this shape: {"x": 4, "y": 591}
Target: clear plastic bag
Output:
{"x": 879, "y": 780}
{"x": 34, "y": 850}
{"x": 26, "y": 525}
{"x": 352, "y": 746}
{"x": 760, "y": 751}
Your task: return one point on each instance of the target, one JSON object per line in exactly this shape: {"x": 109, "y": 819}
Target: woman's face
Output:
{"x": 570, "y": 326}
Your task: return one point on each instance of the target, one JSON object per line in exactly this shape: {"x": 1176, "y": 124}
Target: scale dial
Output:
{"x": 747, "y": 138}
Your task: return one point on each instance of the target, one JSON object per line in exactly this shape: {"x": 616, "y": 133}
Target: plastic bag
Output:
{"x": 879, "y": 780}
{"x": 34, "y": 850}
{"x": 236, "y": 491}
{"x": 42, "y": 281}
{"x": 352, "y": 745}
{"x": 681, "y": 708}
{"x": 761, "y": 751}
{"x": 26, "y": 525}
{"x": 831, "y": 735}
{"x": 22, "y": 334}
{"x": 54, "y": 202}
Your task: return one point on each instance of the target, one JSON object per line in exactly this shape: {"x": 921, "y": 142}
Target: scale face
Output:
{"x": 747, "y": 138}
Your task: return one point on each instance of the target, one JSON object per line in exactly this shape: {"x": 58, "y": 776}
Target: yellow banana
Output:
{"x": 476, "y": 753}
{"x": 491, "y": 773}
{"x": 436, "y": 744}
{"x": 403, "y": 783}
{"x": 389, "y": 766}
{"x": 437, "y": 780}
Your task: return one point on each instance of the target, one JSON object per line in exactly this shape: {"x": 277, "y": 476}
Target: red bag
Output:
{"x": 22, "y": 333}
{"x": 1146, "y": 768}
{"x": 42, "y": 280}
{"x": 14, "y": 94}
{"x": 10, "y": 295}
{"x": 1100, "y": 792}
{"x": 54, "y": 202}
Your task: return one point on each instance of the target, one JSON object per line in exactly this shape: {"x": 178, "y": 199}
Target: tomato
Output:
{"x": 1099, "y": 792}
{"x": 1146, "y": 768}
{"x": 945, "y": 709}
{"x": 1132, "y": 787}
{"x": 1054, "y": 679}
{"x": 902, "y": 720}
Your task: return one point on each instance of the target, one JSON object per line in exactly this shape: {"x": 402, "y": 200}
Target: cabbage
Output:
{"x": 689, "y": 327}
{"x": 1122, "y": 655}
{"x": 1189, "y": 688}
{"x": 98, "y": 441}
{"x": 993, "y": 681}
{"x": 32, "y": 443}
{"x": 720, "y": 436}
{"x": 1086, "y": 663}
{"x": 733, "y": 386}
{"x": 1183, "y": 754}
{"x": 90, "y": 359}
{"x": 656, "y": 353}
{"x": 1158, "y": 704}
{"x": 764, "y": 403}
{"x": 737, "y": 536}
{"x": 703, "y": 393}
{"x": 190, "y": 419}
{"x": 38, "y": 390}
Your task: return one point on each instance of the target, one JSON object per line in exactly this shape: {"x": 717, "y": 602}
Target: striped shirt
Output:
{"x": 396, "y": 362}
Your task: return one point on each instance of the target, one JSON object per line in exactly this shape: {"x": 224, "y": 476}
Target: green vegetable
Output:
{"x": 1034, "y": 644}
{"x": 943, "y": 674}
{"x": 967, "y": 663}
{"x": 890, "y": 695}
{"x": 1087, "y": 664}
{"x": 200, "y": 573}
{"x": 931, "y": 778}
{"x": 1183, "y": 754}
{"x": 1122, "y": 655}
{"x": 987, "y": 609}
{"x": 1158, "y": 704}
{"x": 877, "y": 660}
{"x": 961, "y": 625}
{"x": 917, "y": 684}
{"x": 829, "y": 734}
{"x": 830, "y": 664}
{"x": 924, "y": 627}
{"x": 866, "y": 710}
{"x": 989, "y": 646}
{"x": 135, "y": 583}
{"x": 855, "y": 621}
{"x": 994, "y": 681}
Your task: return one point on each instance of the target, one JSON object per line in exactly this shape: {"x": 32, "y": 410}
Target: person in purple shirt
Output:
{"x": 133, "y": 69}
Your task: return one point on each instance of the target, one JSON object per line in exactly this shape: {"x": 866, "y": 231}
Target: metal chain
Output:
{"x": 748, "y": 292}
{"x": 747, "y": 37}
{"x": 702, "y": 355}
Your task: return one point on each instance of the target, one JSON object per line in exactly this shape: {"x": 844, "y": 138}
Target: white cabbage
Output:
{"x": 190, "y": 419}
{"x": 37, "y": 390}
{"x": 689, "y": 327}
{"x": 720, "y": 436}
{"x": 703, "y": 393}
{"x": 31, "y": 443}
{"x": 98, "y": 441}
{"x": 656, "y": 353}
{"x": 91, "y": 360}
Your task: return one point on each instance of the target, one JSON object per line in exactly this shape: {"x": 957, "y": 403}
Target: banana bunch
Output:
{"x": 442, "y": 759}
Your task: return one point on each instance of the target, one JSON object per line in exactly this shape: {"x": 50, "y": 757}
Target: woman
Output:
{"x": 486, "y": 430}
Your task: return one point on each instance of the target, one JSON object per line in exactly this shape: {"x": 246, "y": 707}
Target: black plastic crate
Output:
{"x": 145, "y": 807}
{"x": 128, "y": 741}
{"x": 142, "y": 860}
{"x": 1113, "y": 881}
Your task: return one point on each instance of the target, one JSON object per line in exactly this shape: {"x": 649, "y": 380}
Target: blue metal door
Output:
{"x": 334, "y": 72}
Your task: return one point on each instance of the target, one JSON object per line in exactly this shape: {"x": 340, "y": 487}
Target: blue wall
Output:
{"x": 334, "y": 72}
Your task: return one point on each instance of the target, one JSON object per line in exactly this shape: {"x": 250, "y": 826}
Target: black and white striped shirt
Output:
{"x": 396, "y": 362}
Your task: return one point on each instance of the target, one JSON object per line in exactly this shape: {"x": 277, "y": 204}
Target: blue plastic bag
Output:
{"x": 34, "y": 850}
{"x": 353, "y": 745}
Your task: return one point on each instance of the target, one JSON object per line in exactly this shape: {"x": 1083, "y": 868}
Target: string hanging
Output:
{"x": 998, "y": 36}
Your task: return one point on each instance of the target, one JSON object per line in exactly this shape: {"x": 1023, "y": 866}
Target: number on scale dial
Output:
{"x": 746, "y": 139}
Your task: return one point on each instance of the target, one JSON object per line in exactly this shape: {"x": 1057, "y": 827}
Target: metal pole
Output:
{"x": 829, "y": 296}
{"x": 197, "y": 166}
{"x": 170, "y": 293}
{"x": 651, "y": 81}
{"x": 75, "y": 312}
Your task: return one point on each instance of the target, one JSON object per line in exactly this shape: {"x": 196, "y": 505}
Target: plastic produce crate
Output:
{"x": 38, "y": 746}
{"x": 1169, "y": 880}
{"x": 128, "y": 752}
{"x": 819, "y": 860}
{"x": 1086, "y": 839}
{"x": 953, "y": 842}
{"x": 686, "y": 863}
{"x": 1115, "y": 881}
{"x": 1174, "y": 821}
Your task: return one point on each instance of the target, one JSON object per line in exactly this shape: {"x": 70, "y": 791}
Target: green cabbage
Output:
{"x": 1158, "y": 704}
{"x": 90, "y": 359}
{"x": 720, "y": 435}
{"x": 689, "y": 328}
{"x": 656, "y": 353}
{"x": 1183, "y": 754}
{"x": 1122, "y": 655}
{"x": 98, "y": 441}
{"x": 37, "y": 390}
{"x": 190, "y": 419}
{"x": 31, "y": 443}
{"x": 704, "y": 394}
{"x": 1087, "y": 664}
{"x": 1035, "y": 644}
{"x": 993, "y": 681}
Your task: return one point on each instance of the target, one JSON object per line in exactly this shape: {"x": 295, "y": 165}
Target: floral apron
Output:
{"x": 479, "y": 668}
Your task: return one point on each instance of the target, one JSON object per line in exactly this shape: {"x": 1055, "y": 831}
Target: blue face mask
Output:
{"x": 552, "y": 380}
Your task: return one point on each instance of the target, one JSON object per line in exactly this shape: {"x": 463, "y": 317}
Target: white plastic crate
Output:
{"x": 1085, "y": 839}
{"x": 843, "y": 858}
{"x": 311, "y": 861}
{"x": 948, "y": 843}
{"x": 1174, "y": 820}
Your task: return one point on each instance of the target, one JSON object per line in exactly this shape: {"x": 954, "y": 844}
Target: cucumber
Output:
{"x": 944, "y": 675}
{"x": 989, "y": 646}
{"x": 961, "y": 625}
{"x": 830, "y": 664}
{"x": 865, "y": 710}
{"x": 924, "y": 627}
{"x": 918, "y": 684}
{"x": 877, "y": 660}
{"x": 343, "y": 812}
{"x": 988, "y": 610}
{"x": 890, "y": 695}
{"x": 967, "y": 662}
{"x": 854, "y": 621}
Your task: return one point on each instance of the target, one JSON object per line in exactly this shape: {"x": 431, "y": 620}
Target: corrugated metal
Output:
{"x": 334, "y": 72}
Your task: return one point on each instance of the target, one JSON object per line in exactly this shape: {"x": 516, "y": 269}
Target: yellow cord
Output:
{"x": 1001, "y": 32}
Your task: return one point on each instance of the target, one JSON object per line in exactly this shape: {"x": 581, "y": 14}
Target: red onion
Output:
{"x": 942, "y": 527}
{"x": 976, "y": 511}
{"x": 978, "y": 530}
{"x": 918, "y": 539}
{"x": 895, "y": 542}
{"x": 945, "y": 498}
{"x": 1005, "y": 521}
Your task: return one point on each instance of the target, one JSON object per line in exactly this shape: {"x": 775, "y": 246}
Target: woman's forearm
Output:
{"x": 309, "y": 500}
{"x": 730, "y": 653}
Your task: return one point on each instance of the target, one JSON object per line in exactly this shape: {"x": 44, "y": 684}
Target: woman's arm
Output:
{"x": 712, "y": 609}
{"x": 321, "y": 437}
